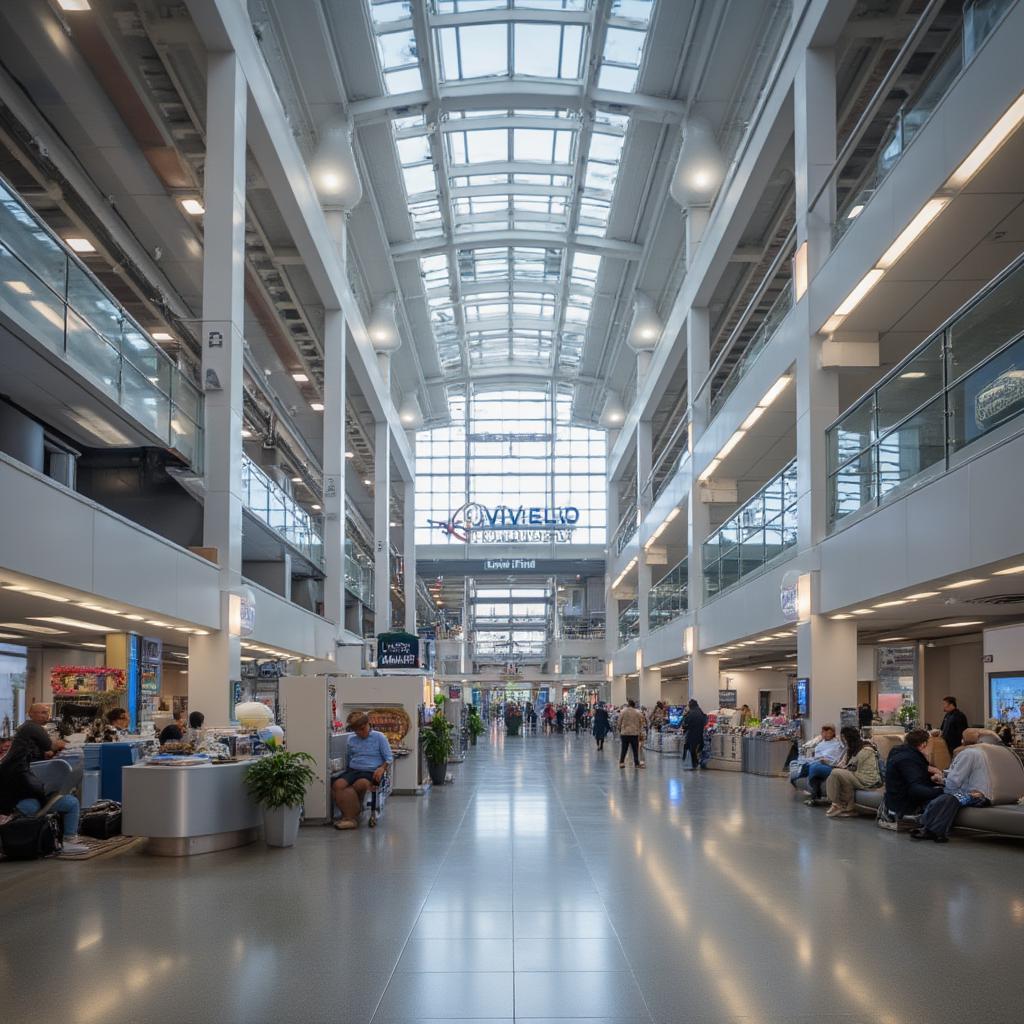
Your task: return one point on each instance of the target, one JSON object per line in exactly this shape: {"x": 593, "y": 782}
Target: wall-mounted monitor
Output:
{"x": 1005, "y": 694}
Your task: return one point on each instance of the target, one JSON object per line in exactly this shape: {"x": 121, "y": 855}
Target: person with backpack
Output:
{"x": 858, "y": 768}
{"x": 694, "y": 722}
{"x": 22, "y": 791}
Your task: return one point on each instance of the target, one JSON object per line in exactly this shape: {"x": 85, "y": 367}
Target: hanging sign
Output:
{"x": 398, "y": 650}
{"x": 474, "y": 523}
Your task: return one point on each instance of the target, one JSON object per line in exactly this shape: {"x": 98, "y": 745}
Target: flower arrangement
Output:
{"x": 69, "y": 680}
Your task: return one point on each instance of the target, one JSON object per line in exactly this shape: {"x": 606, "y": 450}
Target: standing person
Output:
{"x": 694, "y": 722}
{"x": 658, "y": 716}
{"x": 745, "y": 715}
{"x": 602, "y": 724}
{"x": 865, "y": 716}
{"x": 578, "y": 715}
{"x": 549, "y": 717}
{"x": 631, "y": 725}
{"x": 560, "y": 719}
{"x": 953, "y": 724}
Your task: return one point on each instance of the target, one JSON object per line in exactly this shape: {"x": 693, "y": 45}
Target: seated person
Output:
{"x": 108, "y": 728}
{"x": 968, "y": 783}
{"x": 21, "y": 790}
{"x": 173, "y": 733}
{"x": 825, "y": 752}
{"x": 369, "y": 755}
{"x": 910, "y": 782}
{"x": 857, "y": 769}
{"x": 193, "y": 734}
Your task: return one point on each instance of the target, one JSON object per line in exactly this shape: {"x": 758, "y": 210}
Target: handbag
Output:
{"x": 30, "y": 838}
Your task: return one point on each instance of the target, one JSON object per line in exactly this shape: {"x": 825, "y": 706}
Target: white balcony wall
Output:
{"x": 281, "y": 624}
{"x": 54, "y": 534}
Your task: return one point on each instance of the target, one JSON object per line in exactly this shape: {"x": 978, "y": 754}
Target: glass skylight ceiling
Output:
{"x": 519, "y": 173}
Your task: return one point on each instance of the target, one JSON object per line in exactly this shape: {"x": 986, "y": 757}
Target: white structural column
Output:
{"x": 827, "y": 656}
{"x": 214, "y": 660}
{"x": 381, "y": 531}
{"x": 611, "y": 604}
{"x": 650, "y": 679}
{"x": 826, "y": 649}
{"x": 334, "y": 467}
{"x": 409, "y": 552}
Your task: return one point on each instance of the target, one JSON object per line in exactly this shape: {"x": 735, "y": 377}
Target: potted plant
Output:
{"x": 475, "y": 725}
{"x": 436, "y": 741}
{"x": 907, "y": 715}
{"x": 277, "y": 782}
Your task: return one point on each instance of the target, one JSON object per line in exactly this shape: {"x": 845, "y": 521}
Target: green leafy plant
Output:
{"x": 907, "y": 715}
{"x": 475, "y": 723}
{"x": 280, "y": 778}
{"x": 436, "y": 739}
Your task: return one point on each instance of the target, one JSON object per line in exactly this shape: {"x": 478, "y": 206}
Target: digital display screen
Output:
{"x": 1006, "y": 693}
{"x": 803, "y": 703}
{"x": 675, "y": 715}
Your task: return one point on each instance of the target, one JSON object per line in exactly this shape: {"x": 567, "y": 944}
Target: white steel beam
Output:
{"x": 531, "y": 239}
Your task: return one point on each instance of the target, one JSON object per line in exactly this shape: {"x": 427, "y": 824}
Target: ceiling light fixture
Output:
{"x": 29, "y": 628}
{"x": 162, "y": 336}
{"x": 300, "y": 378}
{"x": 855, "y": 211}
{"x": 863, "y": 611}
{"x": 74, "y": 5}
{"x": 350, "y": 455}
{"x": 246, "y": 432}
{"x": 1012, "y": 571}
{"x": 962, "y": 583}
{"x": 955, "y": 625}
{"x": 890, "y": 639}
{"x": 910, "y": 234}
{"x": 317, "y": 406}
{"x": 193, "y": 207}
{"x": 890, "y": 604}
{"x": 80, "y": 245}
{"x": 922, "y": 595}
{"x": 995, "y": 137}
{"x": 92, "y": 627}
{"x": 913, "y": 375}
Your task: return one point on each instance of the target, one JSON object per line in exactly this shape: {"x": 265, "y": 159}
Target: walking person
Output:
{"x": 602, "y": 724}
{"x": 631, "y": 725}
{"x": 560, "y": 719}
{"x": 694, "y": 722}
{"x": 578, "y": 715}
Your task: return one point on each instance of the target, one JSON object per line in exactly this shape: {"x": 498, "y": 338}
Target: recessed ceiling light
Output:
{"x": 93, "y": 627}
{"x": 315, "y": 508}
{"x": 10, "y": 636}
{"x": 246, "y": 432}
{"x": 89, "y": 643}
{"x": 954, "y": 625}
{"x": 74, "y": 5}
{"x": 392, "y": 525}
{"x": 1012, "y": 571}
{"x": 200, "y": 632}
{"x": 350, "y": 455}
{"x": 300, "y": 378}
{"x": 296, "y": 479}
{"x": 890, "y": 639}
{"x": 913, "y": 375}
{"x": 28, "y": 628}
{"x": 99, "y": 608}
{"x": 922, "y": 595}
{"x": 317, "y": 406}
{"x": 134, "y": 618}
{"x": 193, "y": 207}
{"x": 80, "y": 245}
{"x": 157, "y": 622}
{"x": 855, "y": 211}
{"x": 962, "y": 583}
{"x": 162, "y": 336}
{"x": 863, "y": 611}
{"x": 368, "y": 483}
{"x": 890, "y": 604}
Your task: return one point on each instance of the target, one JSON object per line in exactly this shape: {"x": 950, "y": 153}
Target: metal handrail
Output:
{"x": 766, "y": 281}
{"x": 663, "y": 456}
{"x": 626, "y": 530}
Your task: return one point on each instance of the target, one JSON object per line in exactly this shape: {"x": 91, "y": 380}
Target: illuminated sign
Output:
{"x": 477, "y": 524}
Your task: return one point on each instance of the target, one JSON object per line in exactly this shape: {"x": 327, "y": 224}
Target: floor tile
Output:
{"x": 447, "y": 996}
{"x": 604, "y": 954}
{"x": 464, "y": 924}
{"x": 578, "y": 994}
{"x": 432, "y": 955}
{"x": 562, "y": 924}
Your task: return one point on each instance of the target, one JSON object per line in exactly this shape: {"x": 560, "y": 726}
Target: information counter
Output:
{"x": 185, "y": 810}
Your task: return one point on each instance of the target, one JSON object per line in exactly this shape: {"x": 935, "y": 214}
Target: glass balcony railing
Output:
{"x": 668, "y": 456}
{"x": 581, "y": 627}
{"x": 626, "y": 530}
{"x": 758, "y": 532}
{"x": 629, "y": 622}
{"x": 765, "y": 332}
{"x": 52, "y": 296}
{"x": 272, "y": 505}
{"x": 668, "y": 597}
{"x": 980, "y": 19}
{"x": 358, "y": 576}
{"x": 958, "y": 387}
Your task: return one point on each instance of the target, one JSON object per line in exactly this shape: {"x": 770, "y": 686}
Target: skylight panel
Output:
{"x": 604, "y": 146}
{"x": 419, "y": 178}
{"x": 547, "y": 50}
{"x": 473, "y": 51}
{"x": 383, "y": 12}
{"x": 635, "y": 10}
{"x": 486, "y": 146}
{"x": 620, "y": 62}
{"x": 399, "y": 61}
{"x": 413, "y": 150}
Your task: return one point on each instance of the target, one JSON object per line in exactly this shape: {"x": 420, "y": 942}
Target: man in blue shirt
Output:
{"x": 369, "y": 755}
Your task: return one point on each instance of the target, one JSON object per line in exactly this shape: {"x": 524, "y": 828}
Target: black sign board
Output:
{"x": 398, "y": 650}
{"x": 727, "y": 698}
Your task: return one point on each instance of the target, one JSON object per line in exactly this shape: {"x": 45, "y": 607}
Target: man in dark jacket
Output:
{"x": 20, "y": 788}
{"x": 909, "y": 779}
{"x": 953, "y": 724}
{"x": 693, "y": 723}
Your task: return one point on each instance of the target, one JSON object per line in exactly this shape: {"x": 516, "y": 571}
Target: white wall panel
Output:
{"x": 279, "y": 623}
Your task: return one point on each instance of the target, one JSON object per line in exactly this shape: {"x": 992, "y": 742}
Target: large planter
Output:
{"x": 438, "y": 771}
{"x": 281, "y": 825}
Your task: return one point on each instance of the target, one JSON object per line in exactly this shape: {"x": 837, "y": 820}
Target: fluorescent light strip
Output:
{"x": 26, "y": 628}
{"x": 1012, "y": 571}
{"x": 909, "y": 235}
{"x": 993, "y": 139}
{"x": 93, "y": 627}
{"x": 863, "y": 611}
{"x": 890, "y": 604}
{"x": 922, "y": 595}
{"x": 962, "y": 583}
{"x": 955, "y": 625}
{"x": 866, "y": 283}
{"x": 890, "y": 639}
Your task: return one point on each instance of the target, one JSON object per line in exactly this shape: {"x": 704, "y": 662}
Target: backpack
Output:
{"x": 28, "y": 838}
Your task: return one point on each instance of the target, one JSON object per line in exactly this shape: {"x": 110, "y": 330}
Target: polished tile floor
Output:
{"x": 544, "y": 884}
